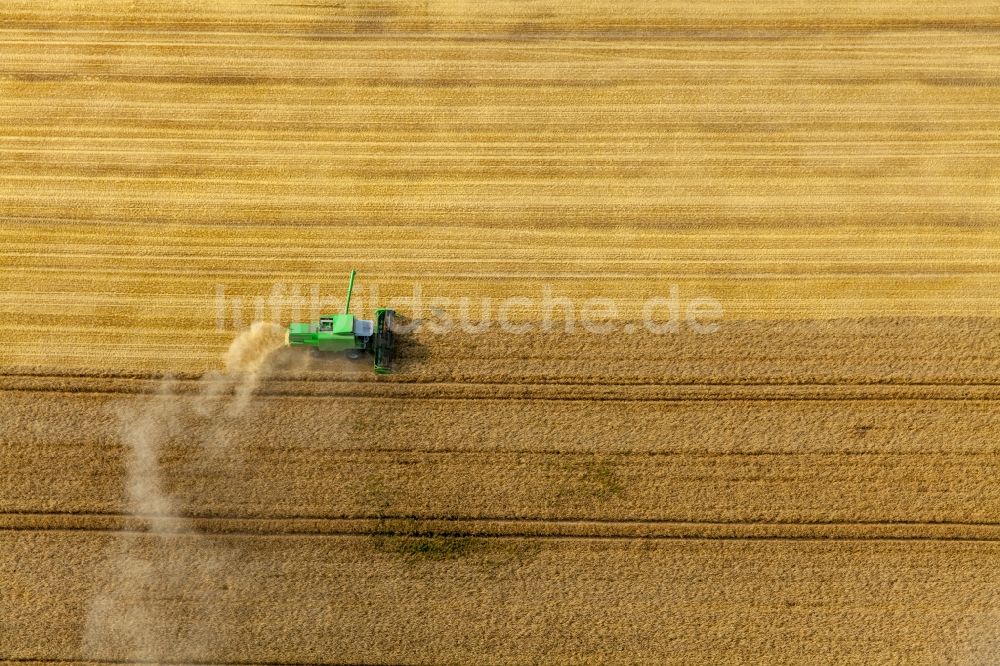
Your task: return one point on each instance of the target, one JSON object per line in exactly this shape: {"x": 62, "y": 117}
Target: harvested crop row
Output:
{"x": 908, "y": 350}
{"x": 154, "y": 155}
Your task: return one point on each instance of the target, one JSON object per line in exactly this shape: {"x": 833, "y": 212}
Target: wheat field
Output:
{"x": 815, "y": 482}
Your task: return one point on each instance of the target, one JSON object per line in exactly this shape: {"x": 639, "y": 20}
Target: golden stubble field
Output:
{"x": 815, "y": 482}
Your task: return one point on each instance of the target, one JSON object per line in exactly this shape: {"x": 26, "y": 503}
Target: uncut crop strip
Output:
{"x": 922, "y": 461}
{"x": 870, "y": 351}
{"x": 395, "y": 599}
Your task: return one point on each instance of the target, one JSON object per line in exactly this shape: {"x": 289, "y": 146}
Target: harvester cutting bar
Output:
{"x": 384, "y": 340}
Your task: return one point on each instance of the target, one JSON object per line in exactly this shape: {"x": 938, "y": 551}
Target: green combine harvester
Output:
{"x": 344, "y": 333}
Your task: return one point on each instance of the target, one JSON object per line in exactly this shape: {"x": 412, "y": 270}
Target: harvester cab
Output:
{"x": 344, "y": 333}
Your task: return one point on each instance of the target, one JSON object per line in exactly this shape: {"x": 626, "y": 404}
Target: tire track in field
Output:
{"x": 503, "y": 527}
{"x": 318, "y": 387}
